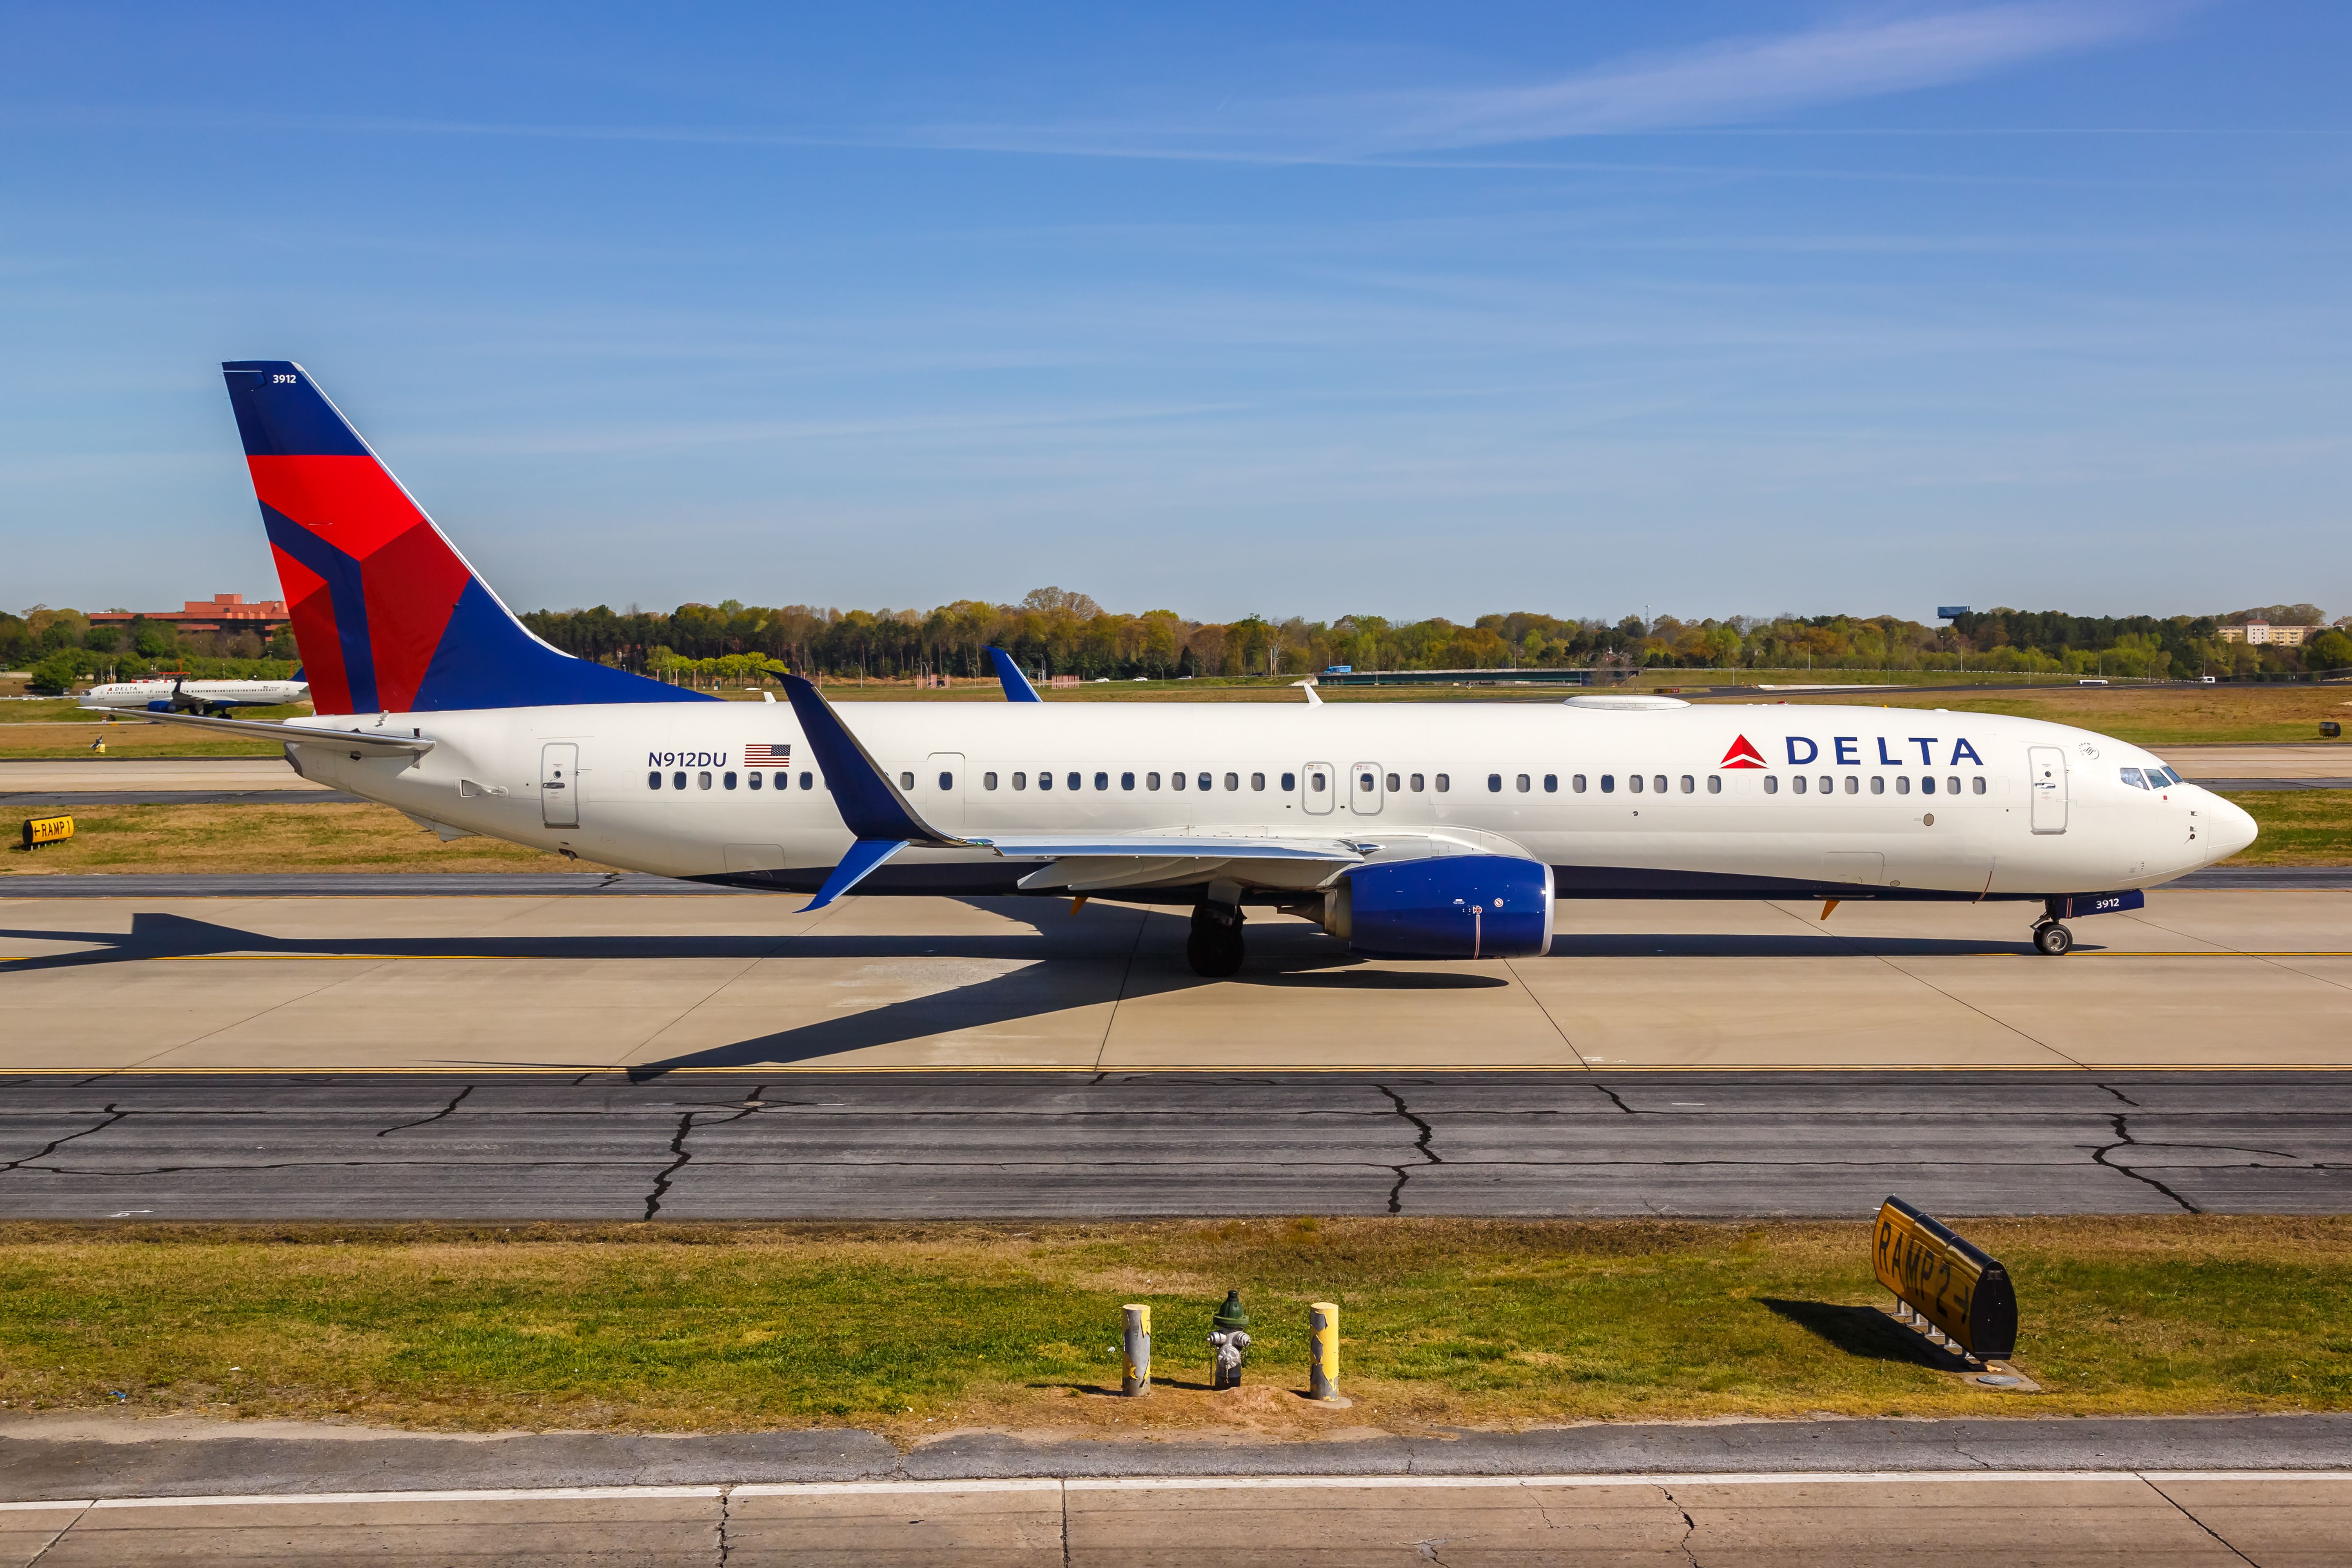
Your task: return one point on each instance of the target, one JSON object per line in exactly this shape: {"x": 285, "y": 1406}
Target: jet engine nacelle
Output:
{"x": 1460, "y": 906}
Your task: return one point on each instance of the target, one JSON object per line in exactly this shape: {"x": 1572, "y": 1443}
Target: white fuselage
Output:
{"x": 1913, "y": 803}
{"x": 241, "y": 693}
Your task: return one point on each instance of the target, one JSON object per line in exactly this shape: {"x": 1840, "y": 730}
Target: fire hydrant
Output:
{"x": 1229, "y": 1337}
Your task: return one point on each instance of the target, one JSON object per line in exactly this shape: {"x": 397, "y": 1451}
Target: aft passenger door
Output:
{"x": 1364, "y": 795}
{"x": 1317, "y": 787}
{"x": 558, "y": 785}
{"x": 2048, "y": 764}
{"x": 939, "y": 792}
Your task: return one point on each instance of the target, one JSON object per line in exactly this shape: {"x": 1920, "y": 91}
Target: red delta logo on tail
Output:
{"x": 1742, "y": 755}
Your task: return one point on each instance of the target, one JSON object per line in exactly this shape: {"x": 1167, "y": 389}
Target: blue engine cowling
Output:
{"x": 1458, "y": 906}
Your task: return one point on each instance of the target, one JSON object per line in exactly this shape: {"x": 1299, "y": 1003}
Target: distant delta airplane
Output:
{"x": 213, "y": 696}
{"x": 1409, "y": 831}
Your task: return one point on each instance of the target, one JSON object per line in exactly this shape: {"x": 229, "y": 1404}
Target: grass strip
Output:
{"x": 2299, "y": 827}
{"x": 251, "y": 837}
{"x": 915, "y": 1327}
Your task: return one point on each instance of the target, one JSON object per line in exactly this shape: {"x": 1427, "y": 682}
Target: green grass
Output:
{"x": 2299, "y": 827}
{"x": 256, "y": 837}
{"x": 1492, "y": 1322}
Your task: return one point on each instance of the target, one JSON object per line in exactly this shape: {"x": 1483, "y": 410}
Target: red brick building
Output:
{"x": 221, "y": 612}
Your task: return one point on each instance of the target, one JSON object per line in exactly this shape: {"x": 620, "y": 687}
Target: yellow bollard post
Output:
{"x": 1323, "y": 1352}
{"x": 1134, "y": 1340}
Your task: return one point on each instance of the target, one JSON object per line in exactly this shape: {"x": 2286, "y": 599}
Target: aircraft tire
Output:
{"x": 1213, "y": 951}
{"x": 2051, "y": 938}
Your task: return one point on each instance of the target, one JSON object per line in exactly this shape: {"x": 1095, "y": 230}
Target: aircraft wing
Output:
{"x": 268, "y": 729}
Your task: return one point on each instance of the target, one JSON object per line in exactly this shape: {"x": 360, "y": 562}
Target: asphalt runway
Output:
{"x": 947, "y": 1146}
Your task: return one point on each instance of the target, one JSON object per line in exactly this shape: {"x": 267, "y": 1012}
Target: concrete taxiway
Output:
{"x": 2274, "y": 1490}
{"x": 2221, "y": 978}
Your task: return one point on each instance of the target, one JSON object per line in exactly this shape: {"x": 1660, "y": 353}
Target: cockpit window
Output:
{"x": 2160, "y": 777}
{"x": 2131, "y": 776}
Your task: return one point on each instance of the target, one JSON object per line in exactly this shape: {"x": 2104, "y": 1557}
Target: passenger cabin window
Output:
{"x": 947, "y": 781}
{"x": 677, "y": 780}
{"x": 1633, "y": 783}
{"x": 653, "y": 781}
{"x": 1315, "y": 784}
{"x": 1690, "y": 785}
{"x": 1659, "y": 784}
{"x": 1854, "y": 783}
{"x": 808, "y": 781}
{"x": 906, "y": 781}
{"x": 1877, "y": 786}
{"x": 1290, "y": 783}
{"x": 1522, "y": 784}
{"x": 1772, "y": 783}
{"x": 1928, "y": 784}
{"x": 1045, "y": 780}
{"x": 1392, "y": 784}
{"x": 1419, "y": 783}
{"x": 1020, "y": 781}
{"x": 1951, "y": 786}
{"x": 1902, "y": 784}
{"x": 1979, "y": 783}
{"x": 1798, "y": 784}
{"x": 1444, "y": 783}
{"x": 1551, "y": 784}
{"x": 1177, "y": 779}
{"x": 1127, "y": 781}
{"x": 1233, "y": 782}
{"x": 1577, "y": 783}
{"x": 1829, "y": 785}
{"x": 1714, "y": 784}
{"x": 728, "y": 779}
{"x": 988, "y": 781}
{"x": 1257, "y": 781}
{"x": 1608, "y": 784}
{"x": 1073, "y": 781}
{"x": 1204, "y": 780}
{"x": 1152, "y": 781}
{"x": 756, "y": 780}
{"x": 702, "y": 781}
{"x": 1494, "y": 783}
{"x": 1102, "y": 781}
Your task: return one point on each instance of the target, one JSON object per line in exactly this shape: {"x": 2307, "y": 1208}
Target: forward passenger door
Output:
{"x": 2048, "y": 766}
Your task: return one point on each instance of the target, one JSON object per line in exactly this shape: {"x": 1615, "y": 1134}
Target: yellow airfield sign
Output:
{"x": 1953, "y": 1284}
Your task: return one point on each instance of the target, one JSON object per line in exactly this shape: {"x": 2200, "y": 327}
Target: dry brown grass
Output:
{"x": 254, "y": 837}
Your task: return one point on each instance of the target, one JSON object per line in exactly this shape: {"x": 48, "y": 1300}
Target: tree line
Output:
{"x": 1053, "y": 631}
{"x": 61, "y": 647}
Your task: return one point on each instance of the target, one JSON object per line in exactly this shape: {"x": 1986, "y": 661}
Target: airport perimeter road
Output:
{"x": 1040, "y": 1146}
{"x": 572, "y": 983}
{"x": 2034, "y": 1520}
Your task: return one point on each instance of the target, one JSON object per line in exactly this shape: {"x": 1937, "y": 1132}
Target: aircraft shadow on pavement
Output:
{"x": 1863, "y": 1332}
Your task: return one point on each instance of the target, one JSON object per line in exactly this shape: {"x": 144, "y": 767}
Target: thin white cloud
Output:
{"x": 1719, "y": 83}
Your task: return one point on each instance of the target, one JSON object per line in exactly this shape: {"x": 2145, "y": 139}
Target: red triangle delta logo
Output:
{"x": 1743, "y": 754}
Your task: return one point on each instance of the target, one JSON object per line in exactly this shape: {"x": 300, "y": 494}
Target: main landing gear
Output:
{"x": 1215, "y": 947}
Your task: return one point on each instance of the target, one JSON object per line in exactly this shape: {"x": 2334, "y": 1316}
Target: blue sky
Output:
{"x": 1407, "y": 310}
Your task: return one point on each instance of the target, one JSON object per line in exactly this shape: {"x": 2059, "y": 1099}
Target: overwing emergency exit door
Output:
{"x": 559, "y": 785}
{"x": 1317, "y": 787}
{"x": 1364, "y": 799}
{"x": 2048, "y": 783}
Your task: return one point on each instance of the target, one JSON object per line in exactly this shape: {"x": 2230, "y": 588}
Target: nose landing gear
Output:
{"x": 2051, "y": 938}
{"x": 1214, "y": 946}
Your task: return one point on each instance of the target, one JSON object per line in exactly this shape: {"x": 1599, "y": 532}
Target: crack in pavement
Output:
{"x": 113, "y": 1116}
{"x": 2119, "y": 1094}
{"x": 458, "y": 1099}
{"x": 1690, "y": 1525}
{"x": 677, "y": 1147}
{"x": 726, "y": 1497}
{"x": 1421, "y": 1146}
{"x": 2125, "y": 1140}
{"x": 1614, "y": 1100}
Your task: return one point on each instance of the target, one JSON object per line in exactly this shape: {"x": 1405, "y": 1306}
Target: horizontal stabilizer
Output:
{"x": 269, "y": 730}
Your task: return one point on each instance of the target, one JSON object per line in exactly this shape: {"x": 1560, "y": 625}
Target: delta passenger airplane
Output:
{"x": 1419, "y": 831}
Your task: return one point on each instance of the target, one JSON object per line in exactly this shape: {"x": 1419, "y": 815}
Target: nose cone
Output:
{"x": 2232, "y": 828}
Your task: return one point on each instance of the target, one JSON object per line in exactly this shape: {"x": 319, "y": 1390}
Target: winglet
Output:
{"x": 869, "y": 803}
{"x": 1308, "y": 685}
{"x": 1016, "y": 685}
{"x": 865, "y": 855}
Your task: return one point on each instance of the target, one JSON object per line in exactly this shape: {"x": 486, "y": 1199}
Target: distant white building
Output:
{"x": 2263, "y": 631}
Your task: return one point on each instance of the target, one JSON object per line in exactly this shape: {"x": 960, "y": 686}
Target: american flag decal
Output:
{"x": 758, "y": 756}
